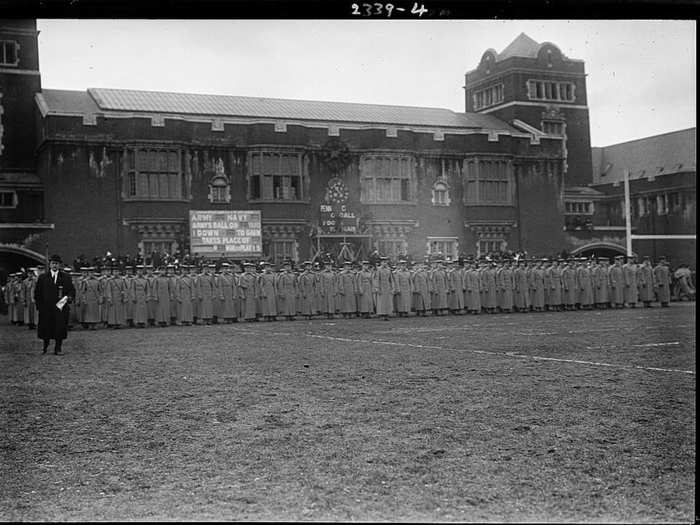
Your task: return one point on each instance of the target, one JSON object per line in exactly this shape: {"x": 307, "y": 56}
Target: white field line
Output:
{"x": 476, "y": 327}
{"x": 661, "y": 344}
{"x": 509, "y": 354}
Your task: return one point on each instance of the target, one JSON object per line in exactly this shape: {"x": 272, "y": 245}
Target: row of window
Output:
{"x": 156, "y": 174}
{"x": 550, "y": 90}
{"x": 9, "y": 55}
{"x": 488, "y": 97}
{"x": 581, "y": 208}
{"x": 657, "y": 204}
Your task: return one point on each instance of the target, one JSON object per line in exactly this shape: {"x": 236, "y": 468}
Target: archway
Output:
{"x": 14, "y": 258}
{"x": 600, "y": 249}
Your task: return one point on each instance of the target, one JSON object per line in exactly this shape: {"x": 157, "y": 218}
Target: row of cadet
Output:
{"x": 185, "y": 294}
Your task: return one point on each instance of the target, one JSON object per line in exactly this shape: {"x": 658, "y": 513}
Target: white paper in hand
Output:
{"x": 60, "y": 304}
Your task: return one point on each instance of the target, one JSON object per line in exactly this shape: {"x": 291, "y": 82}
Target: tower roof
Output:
{"x": 522, "y": 46}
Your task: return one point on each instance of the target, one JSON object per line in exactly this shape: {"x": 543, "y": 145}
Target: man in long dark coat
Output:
{"x": 51, "y": 287}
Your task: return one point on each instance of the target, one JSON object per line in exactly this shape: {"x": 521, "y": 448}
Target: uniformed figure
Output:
{"x": 569, "y": 285}
{"x": 647, "y": 286}
{"x": 286, "y": 286}
{"x": 537, "y": 277}
{"x": 404, "y": 289}
{"x": 455, "y": 287}
{"x": 248, "y": 286}
{"x": 151, "y": 299}
{"x": 227, "y": 289}
{"x": 662, "y": 282}
{"x": 267, "y": 292}
{"x": 346, "y": 290}
{"x": 420, "y": 283}
{"x": 439, "y": 288}
{"x": 128, "y": 277}
{"x": 630, "y": 270}
{"x": 162, "y": 294}
{"x": 488, "y": 285}
{"x": 556, "y": 289}
{"x": 585, "y": 285}
{"x": 89, "y": 292}
{"x": 327, "y": 287}
{"x": 30, "y": 313}
{"x": 138, "y": 295}
{"x": 307, "y": 291}
{"x": 504, "y": 282}
{"x": 18, "y": 299}
{"x": 617, "y": 283}
{"x": 170, "y": 273}
{"x": 384, "y": 288}
{"x": 105, "y": 276}
{"x": 115, "y": 296}
{"x": 601, "y": 280}
{"x": 472, "y": 284}
{"x": 186, "y": 294}
{"x": 521, "y": 288}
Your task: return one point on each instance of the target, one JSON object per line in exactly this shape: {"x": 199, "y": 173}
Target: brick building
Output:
{"x": 120, "y": 170}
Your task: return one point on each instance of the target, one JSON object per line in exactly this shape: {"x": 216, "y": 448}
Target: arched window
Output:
{"x": 441, "y": 194}
{"x": 219, "y": 190}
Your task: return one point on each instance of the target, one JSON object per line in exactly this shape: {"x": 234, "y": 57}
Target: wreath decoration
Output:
{"x": 336, "y": 156}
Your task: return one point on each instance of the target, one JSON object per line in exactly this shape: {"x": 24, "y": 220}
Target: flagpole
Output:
{"x": 628, "y": 221}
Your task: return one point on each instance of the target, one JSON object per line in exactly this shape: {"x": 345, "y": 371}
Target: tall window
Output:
{"x": 553, "y": 127}
{"x": 219, "y": 190}
{"x": 445, "y": 246}
{"x": 280, "y": 250}
{"x": 487, "y": 246}
{"x": 392, "y": 248}
{"x": 550, "y": 90}
{"x": 154, "y": 174}
{"x": 387, "y": 179}
{"x": 8, "y": 53}
{"x": 159, "y": 246}
{"x": 8, "y": 199}
{"x": 489, "y": 96}
{"x": 441, "y": 194}
{"x": 275, "y": 176}
{"x": 488, "y": 182}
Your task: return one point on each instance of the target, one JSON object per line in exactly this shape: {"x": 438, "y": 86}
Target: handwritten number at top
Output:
{"x": 379, "y": 9}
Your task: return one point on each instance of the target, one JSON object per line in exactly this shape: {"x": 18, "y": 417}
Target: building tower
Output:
{"x": 533, "y": 85}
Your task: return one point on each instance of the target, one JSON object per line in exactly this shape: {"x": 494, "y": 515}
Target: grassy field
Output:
{"x": 581, "y": 416}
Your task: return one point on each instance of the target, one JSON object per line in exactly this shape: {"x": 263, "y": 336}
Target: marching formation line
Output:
{"x": 508, "y": 354}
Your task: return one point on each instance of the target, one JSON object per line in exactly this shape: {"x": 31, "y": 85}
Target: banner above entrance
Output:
{"x": 233, "y": 234}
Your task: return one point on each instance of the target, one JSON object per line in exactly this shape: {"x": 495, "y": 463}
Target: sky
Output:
{"x": 640, "y": 73}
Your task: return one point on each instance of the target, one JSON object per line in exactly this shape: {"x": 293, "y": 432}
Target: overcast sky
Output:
{"x": 641, "y": 74}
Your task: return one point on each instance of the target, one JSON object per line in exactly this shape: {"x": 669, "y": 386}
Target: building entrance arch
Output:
{"x": 13, "y": 258}
{"x": 600, "y": 249}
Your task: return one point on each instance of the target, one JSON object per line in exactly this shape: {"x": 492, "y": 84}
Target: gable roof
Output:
{"x": 659, "y": 155}
{"x": 101, "y": 101}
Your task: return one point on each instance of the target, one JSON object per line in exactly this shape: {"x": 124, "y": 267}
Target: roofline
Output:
{"x": 248, "y": 97}
{"x": 89, "y": 119}
{"x": 645, "y": 138}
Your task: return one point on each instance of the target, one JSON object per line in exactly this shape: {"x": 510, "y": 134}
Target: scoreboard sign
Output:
{"x": 234, "y": 234}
